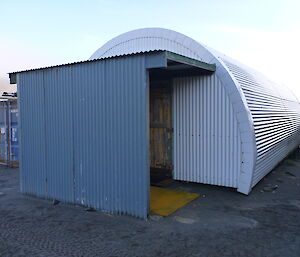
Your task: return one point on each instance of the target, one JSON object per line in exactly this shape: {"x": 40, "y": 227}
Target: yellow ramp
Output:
{"x": 166, "y": 201}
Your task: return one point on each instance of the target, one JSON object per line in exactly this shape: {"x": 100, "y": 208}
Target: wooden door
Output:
{"x": 161, "y": 129}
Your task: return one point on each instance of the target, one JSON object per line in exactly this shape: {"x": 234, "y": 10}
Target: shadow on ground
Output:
{"x": 221, "y": 222}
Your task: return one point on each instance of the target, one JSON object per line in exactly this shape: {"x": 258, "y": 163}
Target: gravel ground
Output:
{"x": 221, "y": 222}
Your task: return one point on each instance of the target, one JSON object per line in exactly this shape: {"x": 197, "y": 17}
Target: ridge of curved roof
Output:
{"x": 128, "y": 43}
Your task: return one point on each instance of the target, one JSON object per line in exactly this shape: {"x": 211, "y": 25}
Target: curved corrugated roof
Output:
{"x": 268, "y": 114}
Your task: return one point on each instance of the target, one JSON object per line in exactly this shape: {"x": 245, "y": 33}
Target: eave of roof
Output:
{"x": 168, "y": 56}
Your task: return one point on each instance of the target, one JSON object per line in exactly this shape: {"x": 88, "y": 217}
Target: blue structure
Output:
{"x": 9, "y": 145}
{"x": 3, "y": 132}
{"x": 149, "y": 101}
{"x": 84, "y": 132}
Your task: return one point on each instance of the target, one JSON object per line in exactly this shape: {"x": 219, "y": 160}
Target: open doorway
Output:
{"x": 161, "y": 130}
{"x": 165, "y": 198}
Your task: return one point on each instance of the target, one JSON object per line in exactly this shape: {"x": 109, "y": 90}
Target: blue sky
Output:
{"x": 262, "y": 34}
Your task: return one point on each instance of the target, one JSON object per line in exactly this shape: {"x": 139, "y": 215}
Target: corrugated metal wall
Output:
{"x": 207, "y": 145}
{"x": 84, "y": 134}
{"x": 158, "y": 38}
{"x": 267, "y": 115}
{"x": 276, "y": 118}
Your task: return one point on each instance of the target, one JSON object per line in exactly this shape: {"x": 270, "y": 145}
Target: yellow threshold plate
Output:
{"x": 164, "y": 201}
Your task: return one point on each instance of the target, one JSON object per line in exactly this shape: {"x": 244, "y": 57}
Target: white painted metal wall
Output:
{"x": 207, "y": 145}
{"x": 275, "y": 114}
{"x": 267, "y": 115}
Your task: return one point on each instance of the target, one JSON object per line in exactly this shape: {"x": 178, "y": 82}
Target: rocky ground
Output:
{"x": 221, "y": 222}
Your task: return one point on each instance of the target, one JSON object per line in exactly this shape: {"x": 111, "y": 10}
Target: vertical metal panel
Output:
{"x": 58, "y": 133}
{"x": 84, "y": 131}
{"x": 32, "y": 133}
{"x": 207, "y": 145}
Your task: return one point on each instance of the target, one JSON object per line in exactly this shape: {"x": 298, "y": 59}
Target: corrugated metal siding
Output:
{"x": 58, "y": 133}
{"x": 276, "y": 118}
{"x": 274, "y": 110}
{"x": 162, "y": 39}
{"x": 207, "y": 145}
{"x": 268, "y": 134}
{"x": 85, "y": 136}
{"x": 32, "y": 134}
